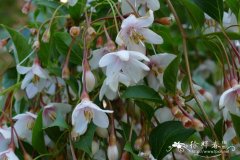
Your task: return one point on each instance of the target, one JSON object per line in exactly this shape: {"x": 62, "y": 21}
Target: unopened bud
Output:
{"x": 3, "y": 43}
{"x": 176, "y": 112}
{"x": 139, "y": 143}
{"x": 102, "y": 132}
{"x": 91, "y": 33}
{"x": 26, "y": 7}
{"x": 164, "y": 20}
{"x": 90, "y": 80}
{"x": 110, "y": 45}
{"x": 64, "y": 1}
{"x": 33, "y": 31}
{"x": 125, "y": 156}
{"x": 206, "y": 95}
{"x": 95, "y": 147}
{"x": 198, "y": 125}
{"x": 65, "y": 72}
{"x": 27, "y": 156}
{"x": 187, "y": 122}
{"x": 99, "y": 42}
{"x": 46, "y": 36}
{"x": 74, "y": 31}
{"x": 112, "y": 150}
{"x": 36, "y": 45}
{"x": 147, "y": 149}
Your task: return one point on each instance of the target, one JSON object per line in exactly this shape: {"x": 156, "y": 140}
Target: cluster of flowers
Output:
{"x": 128, "y": 64}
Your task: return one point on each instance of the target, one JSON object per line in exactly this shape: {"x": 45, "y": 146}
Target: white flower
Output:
{"x": 24, "y": 125}
{"x": 4, "y": 143}
{"x": 90, "y": 80}
{"x": 158, "y": 63}
{"x": 112, "y": 152}
{"x": 52, "y": 83}
{"x": 140, "y": 5}
{"x": 5, "y": 137}
{"x": 126, "y": 62}
{"x": 231, "y": 100}
{"x": 34, "y": 80}
{"x": 52, "y": 109}
{"x": 84, "y": 113}
{"x": 96, "y": 56}
{"x": 70, "y": 2}
{"x": 8, "y": 154}
{"x": 134, "y": 32}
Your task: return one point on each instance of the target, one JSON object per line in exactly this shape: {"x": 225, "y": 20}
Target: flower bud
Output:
{"x": 125, "y": 156}
{"x": 90, "y": 80}
{"x": 74, "y": 31}
{"x": 110, "y": 45}
{"x": 33, "y": 31}
{"x": 64, "y": 1}
{"x": 102, "y": 132}
{"x": 95, "y": 147}
{"x": 187, "y": 123}
{"x": 112, "y": 151}
{"x": 26, "y": 7}
{"x": 208, "y": 96}
{"x": 3, "y": 43}
{"x": 65, "y": 72}
{"x": 176, "y": 112}
{"x": 147, "y": 149}
{"x": 164, "y": 20}
{"x": 27, "y": 156}
{"x": 36, "y": 45}
{"x": 46, "y": 36}
{"x": 139, "y": 143}
{"x": 91, "y": 33}
{"x": 198, "y": 125}
{"x": 99, "y": 42}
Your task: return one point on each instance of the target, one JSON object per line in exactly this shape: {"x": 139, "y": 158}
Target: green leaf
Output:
{"x": 129, "y": 149}
{"x": 234, "y": 6}
{"x": 53, "y": 133}
{"x": 195, "y": 14}
{"x": 9, "y": 78}
{"x": 165, "y": 134}
{"x": 170, "y": 75}
{"x": 21, "y": 46}
{"x": 219, "y": 128}
{"x": 142, "y": 92}
{"x": 236, "y": 123}
{"x": 146, "y": 108}
{"x": 85, "y": 141}
{"x": 38, "y": 142}
{"x": 62, "y": 41}
{"x": 77, "y": 10}
{"x": 214, "y": 8}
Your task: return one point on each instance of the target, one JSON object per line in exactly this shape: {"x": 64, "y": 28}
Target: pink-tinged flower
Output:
{"x": 35, "y": 78}
{"x": 140, "y": 5}
{"x": 84, "y": 113}
{"x": 52, "y": 109}
{"x": 126, "y": 62}
{"x": 24, "y": 125}
{"x": 134, "y": 32}
{"x": 158, "y": 63}
{"x": 231, "y": 100}
{"x": 8, "y": 154}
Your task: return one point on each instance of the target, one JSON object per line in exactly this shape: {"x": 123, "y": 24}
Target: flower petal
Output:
{"x": 150, "y": 36}
{"x": 79, "y": 122}
{"x": 28, "y": 77}
{"x": 31, "y": 90}
{"x": 100, "y": 119}
{"x": 107, "y": 59}
{"x": 22, "y": 69}
{"x": 153, "y": 4}
{"x": 37, "y": 70}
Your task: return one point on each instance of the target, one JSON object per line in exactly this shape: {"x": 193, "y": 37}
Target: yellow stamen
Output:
{"x": 88, "y": 114}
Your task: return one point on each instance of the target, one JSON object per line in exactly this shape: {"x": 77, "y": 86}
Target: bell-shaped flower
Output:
{"x": 140, "y": 5}
{"x": 126, "y": 62}
{"x": 96, "y": 56}
{"x": 84, "y": 113}
{"x": 231, "y": 100}
{"x": 134, "y": 32}
{"x": 24, "y": 125}
{"x": 158, "y": 63}
{"x": 111, "y": 83}
{"x": 52, "y": 110}
{"x": 35, "y": 78}
{"x": 8, "y": 154}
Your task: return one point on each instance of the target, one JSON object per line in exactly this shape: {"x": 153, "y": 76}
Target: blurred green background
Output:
{"x": 11, "y": 14}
